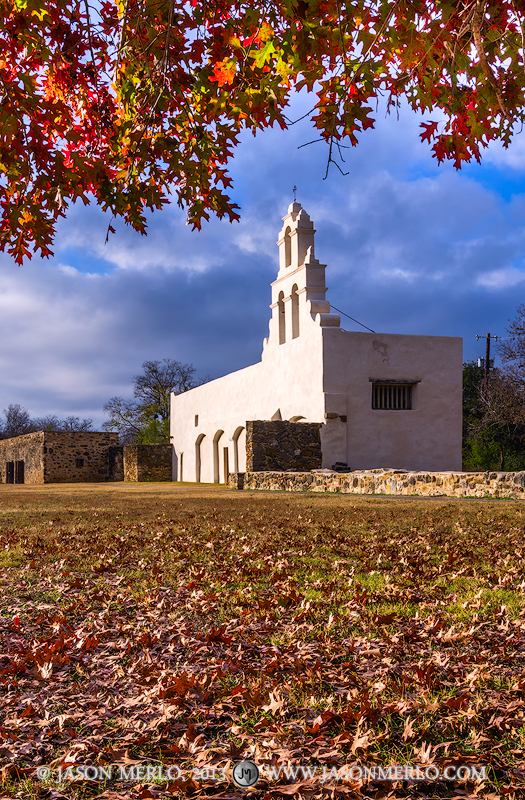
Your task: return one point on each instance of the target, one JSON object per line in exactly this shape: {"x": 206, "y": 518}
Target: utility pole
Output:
{"x": 488, "y": 337}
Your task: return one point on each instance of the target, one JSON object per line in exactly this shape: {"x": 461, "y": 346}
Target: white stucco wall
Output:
{"x": 287, "y": 380}
{"x": 427, "y": 437}
{"x": 323, "y": 374}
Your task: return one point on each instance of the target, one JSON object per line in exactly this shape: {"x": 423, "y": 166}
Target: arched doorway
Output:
{"x": 200, "y": 437}
{"x": 239, "y": 453}
{"x": 216, "y": 462}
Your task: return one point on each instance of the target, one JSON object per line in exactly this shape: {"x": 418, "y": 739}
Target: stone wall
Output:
{"x": 30, "y": 450}
{"x": 236, "y": 480}
{"x": 81, "y": 456}
{"x": 394, "y": 482}
{"x": 282, "y": 445}
{"x": 63, "y": 457}
{"x": 148, "y": 462}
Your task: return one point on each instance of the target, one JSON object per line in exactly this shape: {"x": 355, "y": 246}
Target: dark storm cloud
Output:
{"x": 410, "y": 248}
{"x": 78, "y": 339}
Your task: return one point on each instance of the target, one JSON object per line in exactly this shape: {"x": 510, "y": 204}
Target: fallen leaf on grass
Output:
{"x": 276, "y": 704}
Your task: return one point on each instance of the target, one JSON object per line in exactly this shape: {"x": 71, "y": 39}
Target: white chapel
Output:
{"x": 384, "y": 400}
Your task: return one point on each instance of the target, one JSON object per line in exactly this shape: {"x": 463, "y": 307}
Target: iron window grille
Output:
{"x": 392, "y": 395}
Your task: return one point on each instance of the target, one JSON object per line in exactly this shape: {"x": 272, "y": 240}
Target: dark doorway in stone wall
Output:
{"x": 19, "y": 471}
{"x": 10, "y": 472}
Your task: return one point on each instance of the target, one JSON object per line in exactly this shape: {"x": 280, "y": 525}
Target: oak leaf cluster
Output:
{"x": 128, "y": 102}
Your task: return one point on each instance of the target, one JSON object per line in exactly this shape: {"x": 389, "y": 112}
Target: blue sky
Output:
{"x": 410, "y": 247}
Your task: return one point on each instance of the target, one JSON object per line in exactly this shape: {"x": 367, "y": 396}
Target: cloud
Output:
{"x": 410, "y": 248}
{"x": 512, "y": 156}
{"x": 76, "y": 339}
{"x": 501, "y": 278}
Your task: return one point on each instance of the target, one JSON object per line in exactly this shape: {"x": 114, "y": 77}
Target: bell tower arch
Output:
{"x": 298, "y": 293}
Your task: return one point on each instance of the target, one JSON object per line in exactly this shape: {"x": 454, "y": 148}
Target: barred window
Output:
{"x": 392, "y": 396}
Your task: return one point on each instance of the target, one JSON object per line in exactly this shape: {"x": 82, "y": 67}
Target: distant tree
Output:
{"x": 503, "y": 414}
{"x": 479, "y": 450}
{"x": 48, "y": 423}
{"x": 472, "y": 384}
{"x": 53, "y": 423}
{"x": 124, "y": 417}
{"x": 146, "y": 419}
{"x": 160, "y": 378}
{"x": 511, "y": 349}
{"x": 17, "y": 421}
{"x": 493, "y": 419}
{"x": 76, "y": 424}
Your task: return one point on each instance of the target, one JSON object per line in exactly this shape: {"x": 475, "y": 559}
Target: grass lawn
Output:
{"x": 152, "y": 626}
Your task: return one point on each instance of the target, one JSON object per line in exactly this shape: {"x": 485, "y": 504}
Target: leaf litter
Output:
{"x": 199, "y": 629}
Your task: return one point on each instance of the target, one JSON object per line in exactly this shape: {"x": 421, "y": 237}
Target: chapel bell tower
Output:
{"x": 298, "y": 294}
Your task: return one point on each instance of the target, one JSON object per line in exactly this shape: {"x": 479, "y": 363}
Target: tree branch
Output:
{"x": 476, "y": 26}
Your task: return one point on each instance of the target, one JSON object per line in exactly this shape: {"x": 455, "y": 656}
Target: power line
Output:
{"x": 349, "y": 317}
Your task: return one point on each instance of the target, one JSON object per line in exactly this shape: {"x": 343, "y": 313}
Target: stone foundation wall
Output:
{"x": 394, "y": 482}
{"x": 236, "y": 480}
{"x": 148, "y": 462}
{"x": 29, "y": 449}
{"x": 282, "y": 445}
{"x": 81, "y": 457}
